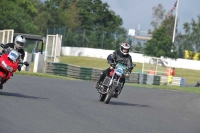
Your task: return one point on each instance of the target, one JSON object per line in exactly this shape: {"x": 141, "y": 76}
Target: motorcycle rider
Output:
{"x": 18, "y": 45}
{"x": 122, "y": 56}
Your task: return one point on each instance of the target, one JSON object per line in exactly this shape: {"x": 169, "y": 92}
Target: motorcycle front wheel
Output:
{"x": 110, "y": 94}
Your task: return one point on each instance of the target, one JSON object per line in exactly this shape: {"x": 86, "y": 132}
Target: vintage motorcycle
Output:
{"x": 112, "y": 85}
{"x": 9, "y": 61}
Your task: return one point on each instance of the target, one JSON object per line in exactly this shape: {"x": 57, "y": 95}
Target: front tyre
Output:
{"x": 110, "y": 94}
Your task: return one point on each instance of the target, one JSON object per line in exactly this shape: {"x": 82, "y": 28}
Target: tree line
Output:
{"x": 91, "y": 23}
{"x": 88, "y": 23}
{"x": 161, "y": 42}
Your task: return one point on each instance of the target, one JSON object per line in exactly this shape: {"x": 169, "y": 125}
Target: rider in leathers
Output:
{"x": 121, "y": 56}
{"x": 18, "y": 45}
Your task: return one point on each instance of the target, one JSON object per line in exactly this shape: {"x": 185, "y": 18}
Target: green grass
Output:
{"x": 42, "y": 75}
{"x": 191, "y": 76}
{"x": 162, "y": 87}
{"x": 85, "y": 61}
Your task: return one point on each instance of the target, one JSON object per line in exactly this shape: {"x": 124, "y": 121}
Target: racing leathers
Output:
{"x": 113, "y": 59}
{"x": 21, "y": 52}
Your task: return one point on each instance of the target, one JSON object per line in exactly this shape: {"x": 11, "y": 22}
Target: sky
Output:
{"x": 139, "y": 12}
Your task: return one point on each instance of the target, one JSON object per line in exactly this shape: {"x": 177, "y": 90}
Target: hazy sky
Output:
{"x": 134, "y": 12}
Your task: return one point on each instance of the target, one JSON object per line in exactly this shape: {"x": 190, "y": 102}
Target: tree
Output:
{"x": 191, "y": 39}
{"x": 101, "y": 24}
{"x": 169, "y": 24}
{"x": 43, "y": 20}
{"x": 138, "y": 47}
{"x": 121, "y": 36}
{"x": 88, "y": 22}
{"x": 180, "y": 48}
{"x": 160, "y": 45}
{"x": 71, "y": 39}
{"x": 14, "y": 17}
{"x": 70, "y": 16}
{"x": 29, "y": 6}
{"x": 158, "y": 16}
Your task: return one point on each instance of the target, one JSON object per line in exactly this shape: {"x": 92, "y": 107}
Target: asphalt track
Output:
{"x": 42, "y": 105}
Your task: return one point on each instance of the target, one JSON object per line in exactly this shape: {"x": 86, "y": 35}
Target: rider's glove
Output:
{"x": 2, "y": 45}
{"x": 113, "y": 64}
{"x": 3, "y": 51}
{"x": 128, "y": 72}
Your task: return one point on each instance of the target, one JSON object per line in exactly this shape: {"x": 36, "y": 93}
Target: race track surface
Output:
{"x": 43, "y": 105}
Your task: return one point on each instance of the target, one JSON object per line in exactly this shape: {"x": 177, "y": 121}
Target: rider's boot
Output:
{"x": 1, "y": 86}
{"x": 101, "y": 78}
{"x": 116, "y": 94}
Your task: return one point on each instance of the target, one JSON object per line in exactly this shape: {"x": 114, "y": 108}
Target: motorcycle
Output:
{"x": 112, "y": 85}
{"x": 9, "y": 64}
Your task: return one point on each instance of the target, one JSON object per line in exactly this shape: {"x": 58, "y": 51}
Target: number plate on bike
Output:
{"x": 13, "y": 55}
{"x": 119, "y": 70}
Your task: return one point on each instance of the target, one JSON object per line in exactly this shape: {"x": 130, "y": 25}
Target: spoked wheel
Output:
{"x": 110, "y": 94}
{"x": 102, "y": 97}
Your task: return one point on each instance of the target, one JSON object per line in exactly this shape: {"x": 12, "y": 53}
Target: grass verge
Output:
{"x": 175, "y": 88}
{"x": 191, "y": 75}
{"x": 43, "y": 75}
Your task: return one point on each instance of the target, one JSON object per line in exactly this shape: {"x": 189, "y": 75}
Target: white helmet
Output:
{"x": 19, "y": 41}
{"x": 125, "y": 46}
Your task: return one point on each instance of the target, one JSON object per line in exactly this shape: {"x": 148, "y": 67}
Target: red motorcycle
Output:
{"x": 9, "y": 61}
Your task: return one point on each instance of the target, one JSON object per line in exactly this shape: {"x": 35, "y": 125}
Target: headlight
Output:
{"x": 6, "y": 66}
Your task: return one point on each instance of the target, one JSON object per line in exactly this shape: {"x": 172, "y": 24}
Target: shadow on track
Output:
{"x": 127, "y": 104}
{"x": 19, "y": 95}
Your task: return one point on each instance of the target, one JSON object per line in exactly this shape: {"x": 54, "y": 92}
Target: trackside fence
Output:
{"x": 92, "y": 74}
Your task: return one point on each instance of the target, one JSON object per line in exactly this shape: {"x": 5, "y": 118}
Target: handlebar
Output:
{"x": 127, "y": 68}
{"x": 24, "y": 63}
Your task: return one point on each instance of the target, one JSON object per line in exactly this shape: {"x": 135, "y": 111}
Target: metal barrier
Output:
{"x": 176, "y": 81}
{"x": 93, "y": 74}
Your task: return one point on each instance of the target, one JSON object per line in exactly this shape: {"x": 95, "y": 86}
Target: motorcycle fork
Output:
{"x": 118, "y": 81}
{"x": 111, "y": 81}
